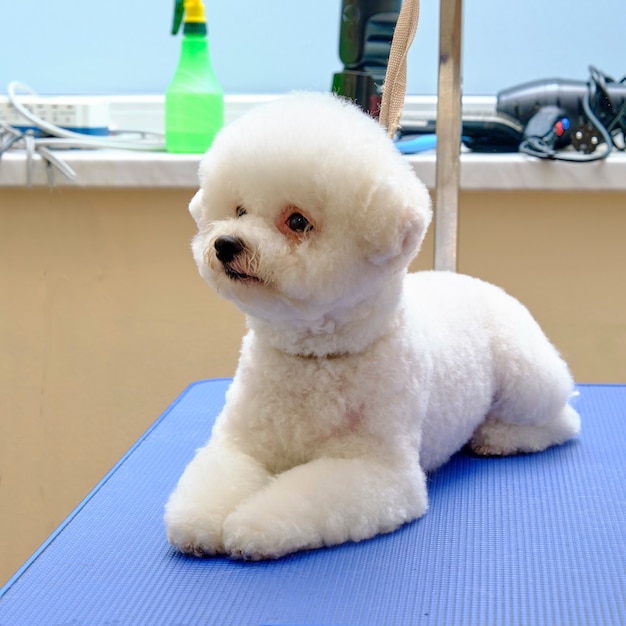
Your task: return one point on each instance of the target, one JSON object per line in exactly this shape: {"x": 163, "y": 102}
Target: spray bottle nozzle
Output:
{"x": 193, "y": 12}
{"x": 179, "y": 11}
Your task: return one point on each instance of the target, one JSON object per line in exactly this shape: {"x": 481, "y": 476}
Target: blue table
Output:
{"x": 538, "y": 539}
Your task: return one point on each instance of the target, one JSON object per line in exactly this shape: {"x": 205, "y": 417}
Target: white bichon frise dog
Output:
{"x": 355, "y": 378}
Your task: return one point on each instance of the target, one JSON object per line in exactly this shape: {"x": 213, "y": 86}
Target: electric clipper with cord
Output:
{"x": 556, "y": 113}
{"x": 365, "y": 36}
{"x": 542, "y": 117}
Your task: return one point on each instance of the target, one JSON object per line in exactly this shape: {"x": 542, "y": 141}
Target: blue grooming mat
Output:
{"x": 528, "y": 540}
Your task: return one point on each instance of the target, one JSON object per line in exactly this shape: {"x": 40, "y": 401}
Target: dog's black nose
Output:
{"x": 227, "y": 248}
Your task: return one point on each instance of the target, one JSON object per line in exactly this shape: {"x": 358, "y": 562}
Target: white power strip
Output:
{"x": 84, "y": 114}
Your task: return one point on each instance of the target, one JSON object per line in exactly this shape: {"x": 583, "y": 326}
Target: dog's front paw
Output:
{"x": 254, "y": 535}
{"x": 213, "y": 484}
{"x": 192, "y": 531}
{"x": 194, "y": 541}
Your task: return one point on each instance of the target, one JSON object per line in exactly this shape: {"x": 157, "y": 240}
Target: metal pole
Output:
{"x": 448, "y": 134}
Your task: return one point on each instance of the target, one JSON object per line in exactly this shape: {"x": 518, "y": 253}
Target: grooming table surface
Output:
{"x": 536, "y": 539}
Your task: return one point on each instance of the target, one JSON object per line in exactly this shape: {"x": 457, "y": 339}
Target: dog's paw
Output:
{"x": 195, "y": 546}
{"x": 194, "y": 541}
{"x": 193, "y": 531}
{"x": 253, "y": 536}
{"x": 495, "y": 437}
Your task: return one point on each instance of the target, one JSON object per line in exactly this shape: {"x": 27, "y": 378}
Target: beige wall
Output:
{"x": 104, "y": 320}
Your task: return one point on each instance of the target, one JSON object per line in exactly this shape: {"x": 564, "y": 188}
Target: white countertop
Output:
{"x": 125, "y": 169}
{"x": 116, "y": 169}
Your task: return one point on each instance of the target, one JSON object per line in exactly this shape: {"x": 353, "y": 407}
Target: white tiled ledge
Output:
{"x": 126, "y": 169}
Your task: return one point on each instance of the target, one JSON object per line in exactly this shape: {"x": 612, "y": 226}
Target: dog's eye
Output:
{"x": 298, "y": 223}
{"x": 239, "y": 211}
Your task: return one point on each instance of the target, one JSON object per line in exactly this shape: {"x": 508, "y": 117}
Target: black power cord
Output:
{"x": 605, "y": 124}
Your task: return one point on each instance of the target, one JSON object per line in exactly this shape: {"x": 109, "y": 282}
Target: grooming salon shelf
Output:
{"x": 124, "y": 169}
{"x": 505, "y": 172}
{"x": 525, "y": 540}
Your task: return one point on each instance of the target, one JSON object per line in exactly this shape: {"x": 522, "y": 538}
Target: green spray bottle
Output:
{"x": 194, "y": 101}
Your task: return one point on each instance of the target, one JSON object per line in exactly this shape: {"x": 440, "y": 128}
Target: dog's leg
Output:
{"x": 212, "y": 486}
{"x": 325, "y": 502}
{"x": 496, "y": 436}
{"x": 532, "y": 412}
{"x": 534, "y": 386}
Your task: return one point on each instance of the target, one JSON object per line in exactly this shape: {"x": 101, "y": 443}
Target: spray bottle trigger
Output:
{"x": 179, "y": 11}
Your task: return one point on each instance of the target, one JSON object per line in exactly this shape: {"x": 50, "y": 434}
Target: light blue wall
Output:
{"x": 115, "y": 47}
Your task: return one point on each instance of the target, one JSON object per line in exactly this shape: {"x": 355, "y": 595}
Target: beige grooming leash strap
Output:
{"x": 394, "y": 89}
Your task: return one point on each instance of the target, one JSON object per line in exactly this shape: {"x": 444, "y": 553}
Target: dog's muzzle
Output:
{"x": 231, "y": 252}
{"x": 227, "y": 248}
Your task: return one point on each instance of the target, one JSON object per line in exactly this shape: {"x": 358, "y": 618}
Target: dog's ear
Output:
{"x": 195, "y": 208}
{"x": 398, "y": 214}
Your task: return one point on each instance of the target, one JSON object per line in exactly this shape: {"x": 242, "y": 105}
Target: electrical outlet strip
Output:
{"x": 82, "y": 114}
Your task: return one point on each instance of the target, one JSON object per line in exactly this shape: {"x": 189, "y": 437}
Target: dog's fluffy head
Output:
{"x": 305, "y": 206}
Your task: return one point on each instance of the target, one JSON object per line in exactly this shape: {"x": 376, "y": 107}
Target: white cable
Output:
{"x": 80, "y": 140}
{"x": 61, "y": 138}
{"x": 52, "y": 159}
{"x": 29, "y": 140}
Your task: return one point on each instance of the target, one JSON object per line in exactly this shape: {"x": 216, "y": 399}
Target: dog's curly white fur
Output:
{"x": 355, "y": 377}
